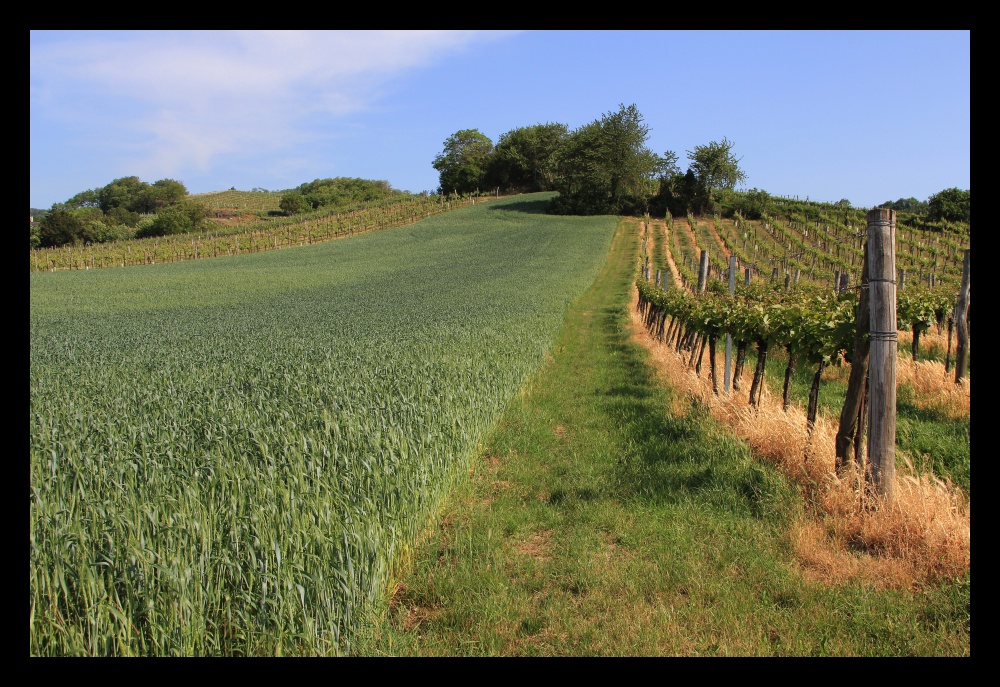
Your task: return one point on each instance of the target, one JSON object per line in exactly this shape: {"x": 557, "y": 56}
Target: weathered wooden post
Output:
{"x": 703, "y": 271}
{"x": 845, "y": 279}
{"x": 962, "y": 324}
{"x": 727, "y": 376}
{"x": 699, "y": 346}
{"x": 747, "y": 277}
{"x": 880, "y": 470}
{"x": 902, "y": 279}
{"x": 657, "y": 282}
{"x": 951, "y": 330}
{"x": 852, "y": 415}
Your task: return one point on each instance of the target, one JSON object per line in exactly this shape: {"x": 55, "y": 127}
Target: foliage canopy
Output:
{"x": 523, "y": 160}
{"x": 715, "y": 166}
{"x": 464, "y": 162}
{"x": 950, "y": 205}
{"x": 605, "y": 167}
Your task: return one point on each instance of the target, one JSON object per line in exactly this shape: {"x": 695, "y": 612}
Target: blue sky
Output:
{"x": 869, "y": 116}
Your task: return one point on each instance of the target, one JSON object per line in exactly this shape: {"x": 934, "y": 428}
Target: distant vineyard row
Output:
{"x": 251, "y": 232}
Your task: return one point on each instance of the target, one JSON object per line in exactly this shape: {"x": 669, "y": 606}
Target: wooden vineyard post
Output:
{"x": 852, "y": 415}
{"x": 951, "y": 331}
{"x": 699, "y": 349}
{"x": 845, "y": 279}
{"x": 962, "y": 324}
{"x": 727, "y": 376}
{"x": 880, "y": 470}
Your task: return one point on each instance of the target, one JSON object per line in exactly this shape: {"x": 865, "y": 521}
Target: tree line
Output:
{"x": 126, "y": 208}
{"x": 949, "y": 205}
{"x": 129, "y": 208}
{"x": 605, "y": 167}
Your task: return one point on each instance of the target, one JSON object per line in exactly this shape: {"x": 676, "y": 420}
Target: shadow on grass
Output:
{"x": 531, "y": 207}
{"x": 670, "y": 458}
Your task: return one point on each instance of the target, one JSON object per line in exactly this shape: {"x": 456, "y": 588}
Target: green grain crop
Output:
{"x": 229, "y": 456}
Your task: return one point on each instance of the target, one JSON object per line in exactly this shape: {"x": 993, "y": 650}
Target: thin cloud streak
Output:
{"x": 824, "y": 114}
{"x": 188, "y": 98}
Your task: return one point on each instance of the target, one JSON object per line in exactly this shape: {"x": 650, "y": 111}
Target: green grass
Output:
{"x": 599, "y": 523}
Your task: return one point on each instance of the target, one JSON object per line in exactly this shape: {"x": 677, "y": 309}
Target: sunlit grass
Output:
{"x": 611, "y": 515}
{"x": 231, "y": 456}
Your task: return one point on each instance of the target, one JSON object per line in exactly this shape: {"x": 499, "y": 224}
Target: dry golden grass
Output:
{"x": 934, "y": 388}
{"x": 923, "y": 536}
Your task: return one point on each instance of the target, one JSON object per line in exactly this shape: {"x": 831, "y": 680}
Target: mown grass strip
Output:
{"x": 608, "y": 517}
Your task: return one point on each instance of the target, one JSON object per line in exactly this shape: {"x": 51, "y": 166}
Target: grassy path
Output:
{"x": 606, "y": 516}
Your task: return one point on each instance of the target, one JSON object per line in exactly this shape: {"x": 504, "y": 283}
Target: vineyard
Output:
{"x": 245, "y": 222}
{"x": 793, "y": 307}
{"x": 238, "y": 456}
{"x": 794, "y": 284}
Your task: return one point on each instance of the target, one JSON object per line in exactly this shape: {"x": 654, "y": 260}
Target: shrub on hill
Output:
{"x": 338, "y": 192}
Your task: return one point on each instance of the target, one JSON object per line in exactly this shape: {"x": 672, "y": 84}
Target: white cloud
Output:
{"x": 181, "y": 99}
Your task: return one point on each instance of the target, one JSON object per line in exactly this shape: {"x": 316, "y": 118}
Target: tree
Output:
{"x": 122, "y": 216}
{"x": 343, "y": 191}
{"x": 179, "y": 218}
{"x": 605, "y": 167}
{"x": 133, "y": 194}
{"x": 167, "y": 192}
{"x": 668, "y": 165}
{"x": 121, "y": 193}
{"x": 715, "y": 166}
{"x": 680, "y": 194}
{"x": 464, "y": 161}
{"x": 523, "y": 159}
{"x": 753, "y": 204}
{"x": 59, "y": 228}
{"x": 84, "y": 199}
{"x": 293, "y": 203}
{"x": 906, "y": 205}
{"x": 950, "y": 205}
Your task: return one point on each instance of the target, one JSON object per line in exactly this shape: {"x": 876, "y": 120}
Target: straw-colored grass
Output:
{"x": 935, "y": 389}
{"x": 922, "y": 537}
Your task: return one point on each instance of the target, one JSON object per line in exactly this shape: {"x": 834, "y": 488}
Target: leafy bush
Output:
{"x": 752, "y": 204}
{"x": 181, "y": 218}
{"x": 60, "y": 227}
{"x": 293, "y": 203}
{"x": 951, "y": 204}
{"x": 105, "y": 231}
